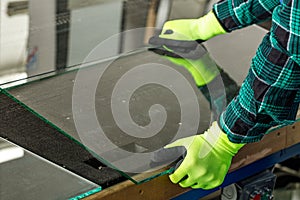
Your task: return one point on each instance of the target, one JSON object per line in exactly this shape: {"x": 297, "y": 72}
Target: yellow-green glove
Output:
{"x": 207, "y": 160}
{"x": 202, "y": 28}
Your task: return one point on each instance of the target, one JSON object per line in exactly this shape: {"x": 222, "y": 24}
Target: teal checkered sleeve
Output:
{"x": 235, "y": 14}
{"x": 270, "y": 93}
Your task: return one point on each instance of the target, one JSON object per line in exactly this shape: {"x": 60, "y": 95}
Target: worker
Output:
{"x": 269, "y": 95}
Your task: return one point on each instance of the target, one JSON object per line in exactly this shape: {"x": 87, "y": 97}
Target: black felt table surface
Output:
{"x": 23, "y": 128}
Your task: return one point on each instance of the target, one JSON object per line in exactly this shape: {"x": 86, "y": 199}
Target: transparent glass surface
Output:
{"x": 125, "y": 109}
{"x": 54, "y": 99}
{"x": 84, "y": 67}
{"x": 25, "y": 175}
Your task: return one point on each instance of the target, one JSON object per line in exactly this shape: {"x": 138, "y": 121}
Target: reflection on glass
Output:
{"x": 57, "y": 36}
{"x": 27, "y": 176}
{"x": 126, "y": 109}
{"x": 123, "y": 124}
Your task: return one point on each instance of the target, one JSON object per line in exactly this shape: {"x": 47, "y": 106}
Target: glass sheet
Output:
{"x": 105, "y": 90}
{"x": 125, "y": 109}
{"x": 25, "y": 175}
{"x": 55, "y": 100}
{"x": 46, "y": 39}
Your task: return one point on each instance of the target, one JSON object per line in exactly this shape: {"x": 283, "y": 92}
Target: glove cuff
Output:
{"x": 223, "y": 142}
{"x": 207, "y": 27}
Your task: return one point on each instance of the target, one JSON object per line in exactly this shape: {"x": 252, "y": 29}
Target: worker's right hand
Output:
{"x": 202, "y": 29}
{"x": 207, "y": 160}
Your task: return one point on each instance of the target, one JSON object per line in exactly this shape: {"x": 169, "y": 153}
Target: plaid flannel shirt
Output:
{"x": 269, "y": 96}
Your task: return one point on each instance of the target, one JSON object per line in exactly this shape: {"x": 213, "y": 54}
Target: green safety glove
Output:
{"x": 177, "y": 32}
{"x": 208, "y": 158}
{"x": 202, "y": 28}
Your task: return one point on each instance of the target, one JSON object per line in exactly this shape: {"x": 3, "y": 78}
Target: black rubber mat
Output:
{"x": 24, "y": 128}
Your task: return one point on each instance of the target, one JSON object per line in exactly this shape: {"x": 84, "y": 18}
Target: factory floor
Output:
{"x": 293, "y": 194}
{"x": 288, "y": 180}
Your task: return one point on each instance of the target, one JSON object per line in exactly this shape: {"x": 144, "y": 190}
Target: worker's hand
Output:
{"x": 202, "y": 29}
{"x": 203, "y": 70}
{"x": 207, "y": 159}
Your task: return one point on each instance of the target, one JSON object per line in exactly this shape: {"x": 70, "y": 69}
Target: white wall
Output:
{"x": 13, "y": 40}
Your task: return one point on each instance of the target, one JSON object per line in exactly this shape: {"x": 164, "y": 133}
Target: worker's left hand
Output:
{"x": 202, "y": 28}
{"x": 207, "y": 160}
{"x": 181, "y": 37}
